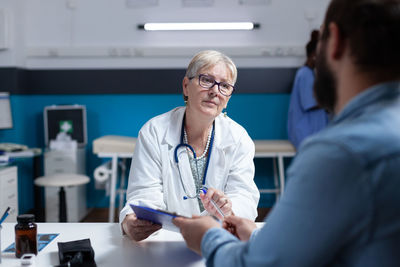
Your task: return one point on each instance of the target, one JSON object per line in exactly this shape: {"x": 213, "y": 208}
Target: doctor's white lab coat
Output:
{"x": 154, "y": 178}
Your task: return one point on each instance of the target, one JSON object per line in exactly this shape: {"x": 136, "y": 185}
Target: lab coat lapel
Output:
{"x": 184, "y": 179}
{"x": 217, "y": 167}
{"x": 173, "y": 133}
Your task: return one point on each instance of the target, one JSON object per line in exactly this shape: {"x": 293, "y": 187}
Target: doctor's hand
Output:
{"x": 240, "y": 227}
{"x": 223, "y": 202}
{"x": 136, "y": 229}
{"x": 193, "y": 229}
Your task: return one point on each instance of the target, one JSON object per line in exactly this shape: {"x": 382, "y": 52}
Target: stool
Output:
{"x": 62, "y": 180}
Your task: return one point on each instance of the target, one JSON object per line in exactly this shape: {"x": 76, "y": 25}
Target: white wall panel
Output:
{"x": 68, "y": 28}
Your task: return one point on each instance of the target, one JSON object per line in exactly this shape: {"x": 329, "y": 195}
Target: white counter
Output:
{"x": 165, "y": 248}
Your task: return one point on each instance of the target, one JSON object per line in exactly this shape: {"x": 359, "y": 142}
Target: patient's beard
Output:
{"x": 325, "y": 82}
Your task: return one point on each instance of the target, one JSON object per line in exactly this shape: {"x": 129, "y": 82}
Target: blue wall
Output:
{"x": 263, "y": 115}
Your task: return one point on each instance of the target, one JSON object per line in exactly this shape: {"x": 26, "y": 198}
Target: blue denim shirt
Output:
{"x": 341, "y": 206}
{"x": 304, "y": 116}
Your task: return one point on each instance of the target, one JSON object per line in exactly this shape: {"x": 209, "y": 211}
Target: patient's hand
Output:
{"x": 193, "y": 229}
{"x": 136, "y": 229}
{"x": 240, "y": 227}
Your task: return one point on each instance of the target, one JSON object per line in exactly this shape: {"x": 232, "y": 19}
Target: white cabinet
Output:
{"x": 9, "y": 192}
{"x": 57, "y": 161}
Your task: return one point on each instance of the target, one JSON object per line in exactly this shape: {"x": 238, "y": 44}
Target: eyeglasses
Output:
{"x": 208, "y": 82}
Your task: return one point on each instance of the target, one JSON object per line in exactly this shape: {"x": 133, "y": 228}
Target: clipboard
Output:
{"x": 162, "y": 217}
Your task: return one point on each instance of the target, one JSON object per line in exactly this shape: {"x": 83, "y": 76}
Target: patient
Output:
{"x": 341, "y": 204}
{"x": 191, "y": 148}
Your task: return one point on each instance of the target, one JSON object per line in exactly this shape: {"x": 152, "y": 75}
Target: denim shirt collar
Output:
{"x": 373, "y": 94}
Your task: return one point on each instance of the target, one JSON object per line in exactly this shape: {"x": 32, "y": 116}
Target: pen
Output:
{"x": 214, "y": 204}
{"x": 5, "y": 214}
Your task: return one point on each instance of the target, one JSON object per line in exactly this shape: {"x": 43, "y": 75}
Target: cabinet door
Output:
{"x": 9, "y": 192}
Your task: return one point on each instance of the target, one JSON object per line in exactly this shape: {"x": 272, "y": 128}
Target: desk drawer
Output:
{"x": 59, "y": 165}
{"x": 9, "y": 192}
{"x": 8, "y": 178}
{"x": 57, "y": 155}
{"x": 8, "y": 181}
{"x": 9, "y": 195}
{"x": 55, "y": 162}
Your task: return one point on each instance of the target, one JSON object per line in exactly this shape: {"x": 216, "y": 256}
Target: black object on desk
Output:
{"x": 76, "y": 253}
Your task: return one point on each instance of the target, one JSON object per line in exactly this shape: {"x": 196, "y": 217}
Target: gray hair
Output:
{"x": 208, "y": 58}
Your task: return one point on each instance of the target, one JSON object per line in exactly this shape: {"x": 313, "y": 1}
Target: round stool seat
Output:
{"x": 62, "y": 180}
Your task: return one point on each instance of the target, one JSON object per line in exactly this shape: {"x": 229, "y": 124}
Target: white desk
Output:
{"x": 277, "y": 150}
{"x": 111, "y": 249}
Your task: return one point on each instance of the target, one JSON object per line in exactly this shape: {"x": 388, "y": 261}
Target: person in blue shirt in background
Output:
{"x": 341, "y": 205}
{"x": 305, "y": 116}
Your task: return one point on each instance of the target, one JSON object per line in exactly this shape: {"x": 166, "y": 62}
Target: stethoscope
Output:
{"x": 183, "y": 145}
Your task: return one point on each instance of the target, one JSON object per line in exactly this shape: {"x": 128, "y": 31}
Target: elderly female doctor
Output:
{"x": 185, "y": 150}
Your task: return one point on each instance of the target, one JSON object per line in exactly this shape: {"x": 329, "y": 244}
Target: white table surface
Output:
{"x": 165, "y": 248}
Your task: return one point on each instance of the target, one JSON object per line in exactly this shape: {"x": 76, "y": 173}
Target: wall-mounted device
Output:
{"x": 70, "y": 119}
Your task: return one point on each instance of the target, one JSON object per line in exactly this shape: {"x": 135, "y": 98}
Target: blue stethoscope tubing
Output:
{"x": 182, "y": 144}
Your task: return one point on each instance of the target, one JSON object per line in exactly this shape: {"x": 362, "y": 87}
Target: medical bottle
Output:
{"x": 25, "y": 235}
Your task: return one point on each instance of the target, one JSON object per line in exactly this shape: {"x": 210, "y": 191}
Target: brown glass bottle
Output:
{"x": 25, "y": 235}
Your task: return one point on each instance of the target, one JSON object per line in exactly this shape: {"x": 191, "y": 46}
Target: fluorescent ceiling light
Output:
{"x": 141, "y": 3}
{"x": 197, "y": 26}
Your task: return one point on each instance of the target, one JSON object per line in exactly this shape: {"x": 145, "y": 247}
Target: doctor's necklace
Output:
{"x": 185, "y": 140}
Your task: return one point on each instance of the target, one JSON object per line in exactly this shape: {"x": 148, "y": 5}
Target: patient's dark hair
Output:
{"x": 372, "y": 29}
{"x": 311, "y": 46}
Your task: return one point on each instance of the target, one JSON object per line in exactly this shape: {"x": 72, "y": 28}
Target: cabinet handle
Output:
{"x": 11, "y": 196}
{"x": 10, "y": 180}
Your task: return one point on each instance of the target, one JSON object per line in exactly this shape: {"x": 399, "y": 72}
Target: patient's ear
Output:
{"x": 337, "y": 45}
